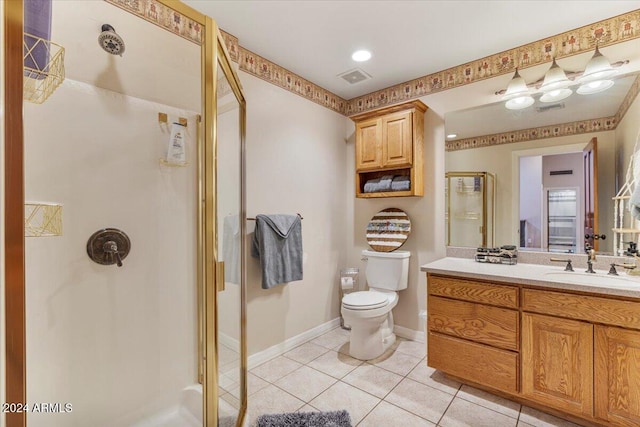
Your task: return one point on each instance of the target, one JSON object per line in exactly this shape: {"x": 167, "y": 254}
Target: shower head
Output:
{"x": 110, "y": 41}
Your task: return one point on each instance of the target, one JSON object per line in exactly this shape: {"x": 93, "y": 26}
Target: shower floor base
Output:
{"x": 187, "y": 413}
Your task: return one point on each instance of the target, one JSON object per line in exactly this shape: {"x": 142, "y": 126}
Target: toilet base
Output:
{"x": 369, "y": 340}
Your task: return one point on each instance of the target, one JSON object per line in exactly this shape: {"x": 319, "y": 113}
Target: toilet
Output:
{"x": 369, "y": 312}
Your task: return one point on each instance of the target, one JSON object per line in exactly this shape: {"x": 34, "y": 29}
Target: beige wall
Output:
{"x": 498, "y": 159}
{"x": 426, "y": 242}
{"x": 295, "y": 164}
{"x": 114, "y": 342}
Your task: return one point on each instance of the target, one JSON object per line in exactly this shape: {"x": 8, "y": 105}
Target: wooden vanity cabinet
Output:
{"x": 390, "y": 142}
{"x": 617, "y": 375}
{"x": 474, "y": 331}
{"x": 574, "y": 353}
{"x": 557, "y": 363}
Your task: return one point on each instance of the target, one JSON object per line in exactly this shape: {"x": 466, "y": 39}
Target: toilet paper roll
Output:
{"x": 346, "y": 283}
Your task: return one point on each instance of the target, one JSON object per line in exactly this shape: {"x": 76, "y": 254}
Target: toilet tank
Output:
{"x": 387, "y": 270}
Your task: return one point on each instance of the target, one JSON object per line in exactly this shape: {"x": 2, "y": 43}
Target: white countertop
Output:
{"x": 540, "y": 275}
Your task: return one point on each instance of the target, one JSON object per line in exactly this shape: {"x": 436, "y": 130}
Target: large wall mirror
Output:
{"x": 557, "y": 183}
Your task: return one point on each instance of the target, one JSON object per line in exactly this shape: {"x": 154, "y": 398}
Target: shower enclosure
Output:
{"x": 132, "y": 313}
{"x": 470, "y": 213}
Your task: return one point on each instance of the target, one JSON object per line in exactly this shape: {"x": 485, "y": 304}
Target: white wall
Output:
{"x": 531, "y": 205}
{"x": 112, "y": 341}
{"x": 498, "y": 159}
{"x": 295, "y": 164}
{"x": 426, "y": 242}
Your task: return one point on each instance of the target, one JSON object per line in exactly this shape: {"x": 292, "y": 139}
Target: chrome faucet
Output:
{"x": 591, "y": 258}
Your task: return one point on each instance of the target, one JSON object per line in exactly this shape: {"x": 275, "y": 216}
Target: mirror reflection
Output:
{"x": 556, "y": 180}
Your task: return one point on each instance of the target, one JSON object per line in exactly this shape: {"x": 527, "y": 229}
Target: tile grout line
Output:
{"x": 361, "y": 363}
{"x": 448, "y": 406}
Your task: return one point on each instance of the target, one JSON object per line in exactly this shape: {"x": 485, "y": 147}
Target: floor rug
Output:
{"x": 306, "y": 419}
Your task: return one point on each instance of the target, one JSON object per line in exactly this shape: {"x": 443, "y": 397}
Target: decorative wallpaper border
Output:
{"x": 233, "y": 47}
{"x": 608, "y": 32}
{"x": 163, "y": 16}
{"x": 553, "y": 131}
{"x": 266, "y": 70}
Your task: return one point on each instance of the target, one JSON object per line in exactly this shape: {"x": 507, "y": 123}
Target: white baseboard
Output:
{"x": 278, "y": 349}
{"x": 409, "y": 334}
{"x": 227, "y": 341}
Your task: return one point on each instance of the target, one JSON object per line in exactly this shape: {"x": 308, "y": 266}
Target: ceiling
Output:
{"x": 408, "y": 39}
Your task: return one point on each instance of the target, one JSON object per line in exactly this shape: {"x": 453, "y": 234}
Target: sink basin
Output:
{"x": 600, "y": 278}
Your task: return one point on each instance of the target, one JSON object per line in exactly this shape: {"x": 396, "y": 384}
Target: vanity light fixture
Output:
{"x": 517, "y": 95}
{"x": 596, "y": 76}
{"x": 594, "y": 87}
{"x": 555, "y": 85}
{"x": 452, "y": 135}
{"x": 361, "y": 55}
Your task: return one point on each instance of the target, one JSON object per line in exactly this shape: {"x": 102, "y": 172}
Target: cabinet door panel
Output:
{"x": 369, "y": 148}
{"x": 557, "y": 363}
{"x": 397, "y": 137}
{"x": 618, "y": 375}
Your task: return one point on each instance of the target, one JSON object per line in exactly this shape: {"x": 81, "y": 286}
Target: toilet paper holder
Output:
{"x": 348, "y": 284}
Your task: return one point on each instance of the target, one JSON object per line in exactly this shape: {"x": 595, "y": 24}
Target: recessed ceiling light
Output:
{"x": 361, "y": 55}
{"x": 452, "y": 135}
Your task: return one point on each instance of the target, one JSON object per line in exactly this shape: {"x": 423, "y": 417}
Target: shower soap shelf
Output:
{"x": 43, "y": 68}
{"x": 163, "y": 162}
{"x": 42, "y": 219}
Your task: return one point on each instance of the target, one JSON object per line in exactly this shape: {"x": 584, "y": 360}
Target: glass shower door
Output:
{"x": 470, "y": 206}
{"x": 230, "y": 250}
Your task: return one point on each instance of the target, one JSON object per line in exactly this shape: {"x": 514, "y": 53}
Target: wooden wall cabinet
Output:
{"x": 575, "y": 354}
{"x": 390, "y": 141}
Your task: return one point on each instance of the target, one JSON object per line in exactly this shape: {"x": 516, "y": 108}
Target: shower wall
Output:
{"x": 116, "y": 343}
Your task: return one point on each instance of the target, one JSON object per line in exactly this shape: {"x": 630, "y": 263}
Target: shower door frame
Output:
{"x": 13, "y": 250}
{"x": 213, "y": 51}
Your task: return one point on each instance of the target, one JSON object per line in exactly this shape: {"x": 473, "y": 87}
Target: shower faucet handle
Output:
{"x": 111, "y": 248}
{"x": 108, "y": 246}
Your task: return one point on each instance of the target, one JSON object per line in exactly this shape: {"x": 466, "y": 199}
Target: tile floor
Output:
{"x": 396, "y": 389}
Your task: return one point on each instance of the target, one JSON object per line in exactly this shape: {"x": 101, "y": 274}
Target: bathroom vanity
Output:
{"x": 564, "y": 342}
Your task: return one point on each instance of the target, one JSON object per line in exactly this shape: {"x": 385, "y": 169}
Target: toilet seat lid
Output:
{"x": 365, "y": 300}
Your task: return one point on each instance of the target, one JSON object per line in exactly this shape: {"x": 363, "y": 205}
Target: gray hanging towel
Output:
{"x": 277, "y": 241}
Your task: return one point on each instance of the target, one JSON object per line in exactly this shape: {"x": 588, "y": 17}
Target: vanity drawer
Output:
{"x": 485, "y": 324}
{"x": 470, "y": 290}
{"x": 474, "y": 362}
{"x": 583, "y": 307}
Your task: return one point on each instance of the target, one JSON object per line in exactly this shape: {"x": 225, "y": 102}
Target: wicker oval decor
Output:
{"x": 388, "y": 230}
